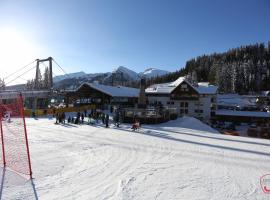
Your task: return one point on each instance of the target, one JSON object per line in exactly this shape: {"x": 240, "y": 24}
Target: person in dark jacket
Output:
{"x": 111, "y": 110}
{"x": 103, "y": 118}
{"x": 117, "y": 119}
{"x": 77, "y": 120}
{"x": 60, "y": 118}
{"x": 107, "y": 121}
{"x": 82, "y": 118}
{"x": 56, "y": 118}
{"x": 63, "y": 116}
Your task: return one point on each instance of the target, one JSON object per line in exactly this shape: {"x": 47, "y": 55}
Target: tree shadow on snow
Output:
{"x": 15, "y": 186}
{"x": 210, "y": 137}
{"x": 168, "y": 137}
{"x": 68, "y": 125}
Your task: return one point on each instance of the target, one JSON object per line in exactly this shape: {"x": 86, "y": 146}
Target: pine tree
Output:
{"x": 2, "y": 84}
{"x": 243, "y": 70}
{"x": 46, "y": 79}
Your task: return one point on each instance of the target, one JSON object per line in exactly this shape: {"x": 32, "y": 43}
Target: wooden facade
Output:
{"x": 184, "y": 92}
{"x": 87, "y": 92}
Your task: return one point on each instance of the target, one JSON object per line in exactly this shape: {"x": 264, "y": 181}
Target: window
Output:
{"x": 198, "y": 111}
{"x": 181, "y": 111}
{"x": 186, "y": 111}
{"x": 170, "y": 102}
{"x": 184, "y": 104}
{"x": 184, "y": 87}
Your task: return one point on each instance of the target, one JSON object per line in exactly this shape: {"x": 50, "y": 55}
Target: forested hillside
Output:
{"x": 243, "y": 70}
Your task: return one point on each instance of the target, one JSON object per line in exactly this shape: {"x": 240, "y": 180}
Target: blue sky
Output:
{"x": 99, "y": 35}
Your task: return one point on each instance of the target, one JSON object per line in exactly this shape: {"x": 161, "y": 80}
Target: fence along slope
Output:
{"x": 14, "y": 142}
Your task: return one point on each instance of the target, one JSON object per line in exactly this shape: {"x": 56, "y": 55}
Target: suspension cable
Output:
{"x": 61, "y": 68}
{"x": 20, "y": 69}
{"x": 20, "y": 75}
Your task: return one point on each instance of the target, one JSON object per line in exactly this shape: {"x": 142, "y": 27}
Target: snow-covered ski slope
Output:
{"x": 181, "y": 159}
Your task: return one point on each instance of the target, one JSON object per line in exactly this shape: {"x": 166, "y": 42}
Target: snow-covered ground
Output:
{"x": 181, "y": 159}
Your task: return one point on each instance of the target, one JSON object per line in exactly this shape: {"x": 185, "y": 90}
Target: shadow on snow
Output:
{"x": 16, "y": 186}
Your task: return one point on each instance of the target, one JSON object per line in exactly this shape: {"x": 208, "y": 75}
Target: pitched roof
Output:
{"x": 243, "y": 113}
{"x": 205, "y": 88}
{"x": 114, "y": 91}
{"x": 167, "y": 88}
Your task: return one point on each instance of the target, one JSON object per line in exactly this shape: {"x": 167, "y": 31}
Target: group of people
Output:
{"x": 60, "y": 118}
{"x": 93, "y": 117}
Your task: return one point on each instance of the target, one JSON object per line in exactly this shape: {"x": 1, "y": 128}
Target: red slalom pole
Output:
{"x": 25, "y": 133}
{"x": 2, "y": 140}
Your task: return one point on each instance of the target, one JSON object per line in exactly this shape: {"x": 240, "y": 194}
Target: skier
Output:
{"x": 135, "y": 125}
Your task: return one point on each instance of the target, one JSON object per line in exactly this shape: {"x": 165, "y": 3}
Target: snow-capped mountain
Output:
{"x": 153, "y": 72}
{"x": 121, "y": 75}
{"x": 128, "y": 72}
{"x": 80, "y": 74}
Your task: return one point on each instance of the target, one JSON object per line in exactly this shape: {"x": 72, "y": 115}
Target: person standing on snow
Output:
{"x": 82, "y": 118}
{"x": 107, "y": 121}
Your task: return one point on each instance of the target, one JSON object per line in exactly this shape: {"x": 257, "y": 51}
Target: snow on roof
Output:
{"x": 167, "y": 88}
{"x": 243, "y": 113}
{"x": 164, "y": 88}
{"x": 177, "y": 81}
{"x": 209, "y": 89}
{"x": 266, "y": 93}
{"x": 236, "y": 100}
{"x": 114, "y": 91}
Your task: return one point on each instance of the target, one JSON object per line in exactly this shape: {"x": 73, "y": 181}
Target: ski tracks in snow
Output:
{"x": 87, "y": 162}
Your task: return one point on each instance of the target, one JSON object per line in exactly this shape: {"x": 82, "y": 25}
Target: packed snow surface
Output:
{"x": 181, "y": 159}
